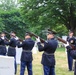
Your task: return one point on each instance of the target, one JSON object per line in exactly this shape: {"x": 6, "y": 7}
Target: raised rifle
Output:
{"x": 13, "y": 36}
{"x": 6, "y": 32}
{"x": 32, "y": 34}
{"x": 58, "y": 38}
{"x": 63, "y": 41}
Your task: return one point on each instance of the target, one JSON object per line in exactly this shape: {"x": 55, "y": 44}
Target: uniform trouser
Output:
{"x": 48, "y": 70}
{"x": 3, "y": 50}
{"x": 75, "y": 68}
{"x": 12, "y": 53}
{"x": 70, "y": 61}
{"x": 25, "y": 64}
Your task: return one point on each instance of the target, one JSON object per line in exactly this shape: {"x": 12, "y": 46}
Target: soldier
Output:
{"x": 3, "y": 50}
{"x": 12, "y": 48}
{"x": 26, "y": 57}
{"x": 70, "y": 40}
{"x": 48, "y": 58}
{"x": 71, "y": 48}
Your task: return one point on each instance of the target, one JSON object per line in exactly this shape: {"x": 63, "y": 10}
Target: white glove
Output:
{"x": 66, "y": 44}
{"x": 2, "y": 38}
{"x": 35, "y": 45}
{"x": 38, "y": 39}
{"x": 16, "y": 38}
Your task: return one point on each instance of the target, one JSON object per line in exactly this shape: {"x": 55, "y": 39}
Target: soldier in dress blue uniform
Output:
{"x": 26, "y": 57}
{"x": 12, "y": 48}
{"x": 3, "y": 49}
{"x": 71, "y": 40}
{"x": 72, "y": 50}
{"x": 48, "y": 58}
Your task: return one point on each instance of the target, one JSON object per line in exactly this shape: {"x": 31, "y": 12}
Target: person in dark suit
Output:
{"x": 71, "y": 40}
{"x": 48, "y": 58}
{"x": 26, "y": 57}
{"x": 3, "y": 49}
{"x": 71, "y": 49}
{"x": 12, "y": 48}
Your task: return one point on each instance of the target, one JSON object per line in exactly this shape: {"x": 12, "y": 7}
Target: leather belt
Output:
{"x": 48, "y": 53}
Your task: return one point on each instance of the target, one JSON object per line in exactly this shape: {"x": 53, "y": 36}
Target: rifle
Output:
{"x": 32, "y": 34}
{"x": 6, "y": 32}
{"x": 13, "y": 36}
{"x": 60, "y": 39}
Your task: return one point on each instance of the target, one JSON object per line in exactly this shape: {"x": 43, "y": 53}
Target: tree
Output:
{"x": 10, "y": 18}
{"x": 12, "y": 21}
{"x": 8, "y": 4}
{"x": 50, "y": 13}
{"x": 2, "y": 26}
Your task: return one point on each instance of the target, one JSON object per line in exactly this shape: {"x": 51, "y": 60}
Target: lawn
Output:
{"x": 61, "y": 63}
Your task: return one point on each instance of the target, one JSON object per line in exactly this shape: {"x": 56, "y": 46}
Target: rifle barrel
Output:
{"x": 60, "y": 39}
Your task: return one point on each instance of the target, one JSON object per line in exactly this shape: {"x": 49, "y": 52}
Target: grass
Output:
{"x": 61, "y": 63}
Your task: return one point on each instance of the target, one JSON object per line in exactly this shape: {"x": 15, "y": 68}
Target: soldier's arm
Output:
{"x": 20, "y": 44}
{"x": 1, "y": 40}
{"x": 8, "y": 42}
{"x": 42, "y": 47}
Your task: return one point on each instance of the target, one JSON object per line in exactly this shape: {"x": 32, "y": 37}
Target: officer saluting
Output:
{"x": 3, "y": 50}
{"x": 48, "y": 58}
{"x": 26, "y": 57}
{"x": 12, "y": 47}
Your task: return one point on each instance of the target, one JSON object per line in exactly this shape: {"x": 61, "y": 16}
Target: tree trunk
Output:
{"x": 71, "y": 25}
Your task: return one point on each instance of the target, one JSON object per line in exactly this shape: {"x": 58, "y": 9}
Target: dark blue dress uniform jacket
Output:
{"x": 12, "y": 47}
{"x": 2, "y": 47}
{"x": 70, "y": 49}
{"x": 27, "y": 46}
{"x": 49, "y": 48}
{"x": 71, "y": 40}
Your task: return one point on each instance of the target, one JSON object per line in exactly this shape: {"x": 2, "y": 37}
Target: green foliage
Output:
{"x": 10, "y": 18}
{"x": 1, "y": 25}
{"x": 37, "y": 15}
{"x": 13, "y": 21}
{"x": 49, "y": 14}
